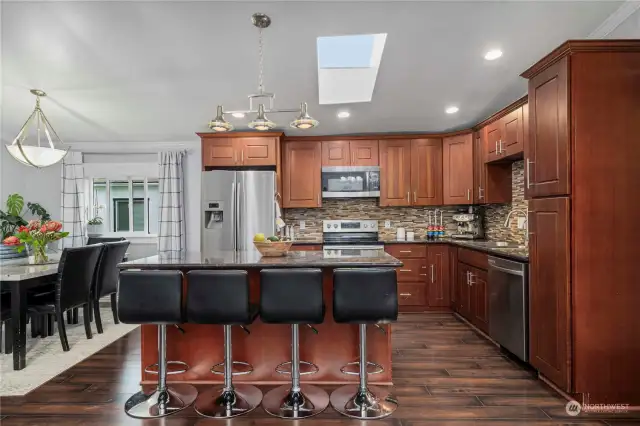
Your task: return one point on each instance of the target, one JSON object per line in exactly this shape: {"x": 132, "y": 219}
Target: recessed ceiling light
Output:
{"x": 343, "y": 114}
{"x": 238, "y": 114}
{"x": 451, "y": 110}
{"x": 493, "y": 54}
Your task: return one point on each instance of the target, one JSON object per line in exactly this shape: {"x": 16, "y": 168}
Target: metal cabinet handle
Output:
{"x": 318, "y": 199}
{"x": 480, "y": 192}
{"x": 423, "y": 275}
{"x": 471, "y": 282}
{"x": 242, "y": 160}
{"x": 405, "y": 294}
{"x": 415, "y": 197}
{"x": 496, "y": 147}
{"x": 423, "y": 267}
{"x": 235, "y": 157}
{"x": 528, "y": 177}
{"x": 500, "y": 146}
{"x": 353, "y": 158}
{"x": 433, "y": 278}
{"x": 405, "y": 270}
{"x": 408, "y": 200}
{"x": 468, "y": 195}
{"x": 468, "y": 273}
{"x": 405, "y": 251}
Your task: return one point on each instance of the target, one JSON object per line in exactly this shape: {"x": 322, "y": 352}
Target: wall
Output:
{"x": 496, "y": 214}
{"x": 411, "y": 218}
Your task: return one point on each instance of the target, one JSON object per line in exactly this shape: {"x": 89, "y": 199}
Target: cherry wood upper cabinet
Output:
{"x": 237, "y": 150}
{"x": 439, "y": 294}
{"x": 547, "y": 162}
{"x": 525, "y": 138}
{"x": 219, "y": 152}
{"x": 350, "y": 153}
{"x": 258, "y": 151}
{"x": 494, "y": 136}
{"x": 513, "y": 137}
{"x": 457, "y": 176}
{"x": 301, "y": 174}
{"x": 364, "y": 153}
{"x": 395, "y": 172}
{"x": 549, "y": 289}
{"x": 426, "y": 172}
{"x": 336, "y": 153}
{"x": 479, "y": 166}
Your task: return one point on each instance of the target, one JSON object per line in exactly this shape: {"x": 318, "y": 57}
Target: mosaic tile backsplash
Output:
{"x": 496, "y": 214}
{"x": 410, "y": 218}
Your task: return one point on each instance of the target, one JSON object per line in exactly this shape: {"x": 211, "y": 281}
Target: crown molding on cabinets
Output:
{"x": 504, "y": 111}
{"x": 240, "y": 134}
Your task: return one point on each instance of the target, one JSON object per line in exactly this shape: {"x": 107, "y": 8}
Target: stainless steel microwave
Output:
{"x": 347, "y": 181}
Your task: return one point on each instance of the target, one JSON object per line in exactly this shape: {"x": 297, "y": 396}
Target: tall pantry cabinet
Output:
{"x": 582, "y": 173}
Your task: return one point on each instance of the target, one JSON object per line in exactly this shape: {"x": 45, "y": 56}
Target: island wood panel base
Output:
{"x": 202, "y": 346}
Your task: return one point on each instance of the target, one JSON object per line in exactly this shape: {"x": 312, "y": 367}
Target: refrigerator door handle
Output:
{"x": 233, "y": 213}
{"x": 239, "y": 242}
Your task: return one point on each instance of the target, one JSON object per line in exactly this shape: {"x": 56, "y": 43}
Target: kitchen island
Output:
{"x": 267, "y": 345}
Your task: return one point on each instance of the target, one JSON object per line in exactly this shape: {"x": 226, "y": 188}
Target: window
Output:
{"x": 124, "y": 206}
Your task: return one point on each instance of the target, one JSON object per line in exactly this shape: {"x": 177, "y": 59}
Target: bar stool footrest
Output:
{"x": 219, "y": 368}
{"x": 306, "y": 368}
{"x": 153, "y": 368}
{"x": 372, "y": 368}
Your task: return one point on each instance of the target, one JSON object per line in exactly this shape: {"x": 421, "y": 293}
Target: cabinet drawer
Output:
{"x": 412, "y": 294}
{"x": 473, "y": 258}
{"x": 407, "y": 251}
{"x": 413, "y": 270}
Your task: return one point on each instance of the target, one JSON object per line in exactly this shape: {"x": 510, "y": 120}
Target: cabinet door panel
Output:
{"x": 464, "y": 295}
{"x": 364, "y": 153}
{"x": 257, "y": 151}
{"x": 438, "y": 276}
{"x": 217, "y": 152}
{"x": 335, "y": 153}
{"x": 413, "y": 270}
{"x": 301, "y": 174}
{"x": 513, "y": 141}
{"x": 395, "y": 171}
{"x": 548, "y": 157}
{"x": 426, "y": 172}
{"x": 494, "y": 136}
{"x": 479, "y": 299}
{"x": 549, "y": 297}
{"x": 411, "y": 294}
{"x": 457, "y": 159}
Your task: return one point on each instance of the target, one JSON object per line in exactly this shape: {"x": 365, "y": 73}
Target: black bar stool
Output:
{"x": 364, "y": 296}
{"x": 293, "y": 296}
{"x": 222, "y": 297}
{"x": 154, "y": 297}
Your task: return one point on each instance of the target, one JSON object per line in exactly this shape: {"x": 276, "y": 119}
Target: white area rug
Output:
{"x": 46, "y": 359}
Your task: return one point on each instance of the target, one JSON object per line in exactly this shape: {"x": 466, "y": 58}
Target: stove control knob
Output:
{"x": 335, "y": 225}
{"x": 366, "y": 226}
{"x": 328, "y": 225}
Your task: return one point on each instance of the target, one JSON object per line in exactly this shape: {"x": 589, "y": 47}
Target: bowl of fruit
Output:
{"x": 272, "y": 246}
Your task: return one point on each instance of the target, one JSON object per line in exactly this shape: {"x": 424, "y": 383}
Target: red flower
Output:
{"x": 53, "y": 226}
{"x": 33, "y": 225}
{"x": 11, "y": 241}
{"x": 23, "y": 229}
{"x": 43, "y": 229}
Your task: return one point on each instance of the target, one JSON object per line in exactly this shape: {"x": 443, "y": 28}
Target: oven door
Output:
{"x": 346, "y": 251}
{"x": 345, "y": 182}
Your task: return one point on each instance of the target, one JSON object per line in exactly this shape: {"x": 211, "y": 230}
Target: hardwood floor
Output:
{"x": 444, "y": 373}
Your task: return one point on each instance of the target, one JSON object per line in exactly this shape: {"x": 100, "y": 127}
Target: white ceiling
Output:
{"x": 155, "y": 71}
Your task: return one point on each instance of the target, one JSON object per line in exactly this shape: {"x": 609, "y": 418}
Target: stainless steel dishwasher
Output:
{"x": 509, "y": 305}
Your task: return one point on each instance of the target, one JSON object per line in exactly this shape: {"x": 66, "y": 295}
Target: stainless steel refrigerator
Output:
{"x": 236, "y": 205}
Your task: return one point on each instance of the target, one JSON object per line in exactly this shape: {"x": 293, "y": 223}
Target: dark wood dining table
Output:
{"x": 16, "y": 278}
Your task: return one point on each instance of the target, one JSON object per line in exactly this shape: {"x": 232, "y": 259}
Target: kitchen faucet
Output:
{"x": 526, "y": 223}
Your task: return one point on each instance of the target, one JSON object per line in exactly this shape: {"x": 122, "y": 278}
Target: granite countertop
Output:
{"x": 20, "y": 269}
{"x": 514, "y": 253}
{"x": 252, "y": 259}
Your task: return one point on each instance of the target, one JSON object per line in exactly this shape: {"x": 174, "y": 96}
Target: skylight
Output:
{"x": 348, "y": 67}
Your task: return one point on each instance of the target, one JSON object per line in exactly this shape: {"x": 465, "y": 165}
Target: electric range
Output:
{"x": 347, "y": 238}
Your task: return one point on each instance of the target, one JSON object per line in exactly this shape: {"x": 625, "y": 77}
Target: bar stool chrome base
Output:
{"x": 224, "y": 404}
{"x": 374, "y": 403}
{"x": 181, "y": 367}
{"x": 284, "y": 403}
{"x": 160, "y": 403}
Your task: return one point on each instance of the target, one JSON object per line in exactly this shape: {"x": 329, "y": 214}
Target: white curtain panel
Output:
{"x": 73, "y": 203}
{"x": 171, "y": 234}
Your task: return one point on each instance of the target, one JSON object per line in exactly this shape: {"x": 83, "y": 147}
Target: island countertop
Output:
{"x": 226, "y": 259}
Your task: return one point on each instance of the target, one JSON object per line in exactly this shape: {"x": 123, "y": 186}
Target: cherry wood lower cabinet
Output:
{"x": 301, "y": 166}
{"x": 438, "y": 280}
{"x": 472, "y": 300}
{"x": 478, "y": 279}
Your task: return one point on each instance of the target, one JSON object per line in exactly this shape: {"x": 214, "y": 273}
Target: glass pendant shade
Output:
{"x": 219, "y": 124}
{"x": 261, "y": 122}
{"x": 304, "y": 120}
{"x": 42, "y": 153}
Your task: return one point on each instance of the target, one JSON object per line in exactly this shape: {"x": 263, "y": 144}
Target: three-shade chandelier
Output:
{"x": 261, "y": 122}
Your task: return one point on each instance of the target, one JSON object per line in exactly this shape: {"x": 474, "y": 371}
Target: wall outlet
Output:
{"x": 302, "y": 224}
{"x": 521, "y": 222}
{"x": 387, "y": 224}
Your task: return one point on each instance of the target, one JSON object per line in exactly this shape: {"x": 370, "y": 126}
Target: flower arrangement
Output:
{"x": 36, "y": 235}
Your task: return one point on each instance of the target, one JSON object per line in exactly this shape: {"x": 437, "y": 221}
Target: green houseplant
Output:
{"x": 11, "y": 218}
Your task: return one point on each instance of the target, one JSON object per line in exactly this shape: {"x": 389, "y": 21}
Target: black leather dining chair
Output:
{"x": 73, "y": 289}
{"x": 106, "y": 278}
